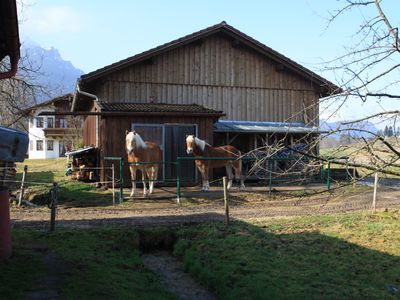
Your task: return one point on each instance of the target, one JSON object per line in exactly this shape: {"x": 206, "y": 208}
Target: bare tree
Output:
{"x": 19, "y": 92}
{"x": 369, "y": 71}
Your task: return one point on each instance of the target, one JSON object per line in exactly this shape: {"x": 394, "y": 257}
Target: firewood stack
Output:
{"x": 8, "y": 170}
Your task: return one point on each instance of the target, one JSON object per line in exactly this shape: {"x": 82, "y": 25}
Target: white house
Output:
{"x": 50, "y": 136}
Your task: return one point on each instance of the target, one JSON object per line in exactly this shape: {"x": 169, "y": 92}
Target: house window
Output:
{"x": 50, "y": 145}
{"x": 39, "y": 122}
{"x": 63, "y": 123}
{"x": 50, "y": 123}
{"x": 39, "y": 145}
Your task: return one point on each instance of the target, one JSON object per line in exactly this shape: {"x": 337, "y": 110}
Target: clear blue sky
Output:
{"x": 93, "y": 34}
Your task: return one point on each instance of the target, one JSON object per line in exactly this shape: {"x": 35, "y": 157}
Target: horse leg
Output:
{"x": 133, "y": 178}
{"x": 145, "y": 191}
{"x": 204, "y": 176}
{"x": 152, "y": 175}
{"x": 206, "y": 183}
{"x": 229, "y": 172}
{"x": 239, "y": 175}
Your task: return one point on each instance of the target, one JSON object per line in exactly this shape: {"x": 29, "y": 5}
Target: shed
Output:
{"x": 165, "y": 124}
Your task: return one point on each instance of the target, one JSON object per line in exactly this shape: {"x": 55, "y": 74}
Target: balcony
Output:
{"x": 62, "y": 132}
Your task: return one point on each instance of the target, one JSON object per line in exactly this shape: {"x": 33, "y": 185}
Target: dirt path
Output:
{"x": 174, "y": 278}
{"x": 47, "y": 286}
{"x": 244, "y": 206}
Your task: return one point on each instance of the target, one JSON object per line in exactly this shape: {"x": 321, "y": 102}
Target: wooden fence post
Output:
{"x": 226, "y": 200}
{"x": 375, "y": 191}
{"x": 21, "y": 194}
{"x": 53, "y": 206}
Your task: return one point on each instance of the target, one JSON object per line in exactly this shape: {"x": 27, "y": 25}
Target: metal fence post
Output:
{"x": 322, "y": 171}
{"x": 328, "y": 178}
{"x": 178, "y": 180}
{"x": 113, "y": 181}
{"x": 121, "y": 180}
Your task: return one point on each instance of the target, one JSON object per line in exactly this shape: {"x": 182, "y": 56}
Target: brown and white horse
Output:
{"x": 200, "y": 148}
{"x": 138, "y": 152}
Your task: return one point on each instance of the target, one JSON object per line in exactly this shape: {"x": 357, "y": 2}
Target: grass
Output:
{"x": 100, "y": 264}
{"x": 355, "y": 256}
{"x": 43, "y": 172}
{"x": 345, "y": 256}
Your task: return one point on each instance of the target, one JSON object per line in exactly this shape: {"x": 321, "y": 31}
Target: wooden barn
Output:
{"x": 218, "y": 83}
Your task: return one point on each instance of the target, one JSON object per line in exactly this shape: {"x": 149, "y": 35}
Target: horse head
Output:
{"x": 190, "y": 143}
{"x": 133, "y": 141}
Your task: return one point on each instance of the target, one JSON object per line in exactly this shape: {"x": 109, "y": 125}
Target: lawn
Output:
{"x": 347, "y": 256}
{"x": 43, "y": 172}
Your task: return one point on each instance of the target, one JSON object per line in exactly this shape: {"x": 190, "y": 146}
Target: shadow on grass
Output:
{"x": 248, "y": 262}
{"x": 245, "y": 261}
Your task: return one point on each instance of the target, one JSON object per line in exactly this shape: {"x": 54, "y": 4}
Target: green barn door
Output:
{"x": 175, "y": 145}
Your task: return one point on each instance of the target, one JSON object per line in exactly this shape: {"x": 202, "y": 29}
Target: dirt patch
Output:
{"x": 174, "y": 277}
{"x": 49, "y": 284}
{"x": 205, "y": 208}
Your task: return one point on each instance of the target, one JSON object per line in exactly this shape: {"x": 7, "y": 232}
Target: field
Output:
{"x": 284, "y": 246}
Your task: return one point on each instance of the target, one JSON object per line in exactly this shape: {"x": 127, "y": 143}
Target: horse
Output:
{"x": 200, "y": 148}
{"x": 138, "y": 152}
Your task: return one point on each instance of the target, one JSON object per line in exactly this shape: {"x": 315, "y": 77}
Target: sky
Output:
{"x": 95, "y": 33}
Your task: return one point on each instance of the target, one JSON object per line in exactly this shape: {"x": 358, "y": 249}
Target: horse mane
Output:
{"x": 139, "y": 141}
{"x": 200, "y": 143}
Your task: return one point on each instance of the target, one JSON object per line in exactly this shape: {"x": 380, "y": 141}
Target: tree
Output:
{"x": 369, "y": 70}
{"x": 18, "y": 93}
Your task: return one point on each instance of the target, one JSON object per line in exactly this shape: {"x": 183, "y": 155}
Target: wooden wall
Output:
{"x": 218, "y": 74}
{"x": 112, "y": 137}
{"x": 89, "y": 129}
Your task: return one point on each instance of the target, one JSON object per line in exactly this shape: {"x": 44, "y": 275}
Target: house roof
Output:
{"x": 66, "y": 97}
{"x": 263, "y": 127}
{"x": 156, "y": 108}
{"x": 9, "y": 36}
{"x": 326, "y": 86}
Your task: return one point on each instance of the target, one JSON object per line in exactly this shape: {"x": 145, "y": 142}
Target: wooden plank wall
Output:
{"x": 89, "y": 129}
{"x": 215, "y": 73}
{"x": 112, "y": 139}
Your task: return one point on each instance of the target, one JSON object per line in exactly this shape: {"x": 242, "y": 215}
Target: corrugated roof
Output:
{"x": 263, "y": 127}
{"x": 222, "y": 27}
{"x": 156, "y": 108}
{"x": 79, "y": 151}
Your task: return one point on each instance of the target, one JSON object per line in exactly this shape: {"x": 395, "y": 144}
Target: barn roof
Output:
{"x": 106, "y": 108}
{"x": 326, "y": 86}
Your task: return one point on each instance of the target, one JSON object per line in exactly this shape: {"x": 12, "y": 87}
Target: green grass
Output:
{"x": 353, "y": 256}
{"x": 43, "y": 172}
{"x": 101, "y": 264}
{"x": 345, "y": 256}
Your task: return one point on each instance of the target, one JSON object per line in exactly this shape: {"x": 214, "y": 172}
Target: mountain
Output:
{"x": 56, "y": 75}
{"x": 356, "y": 130}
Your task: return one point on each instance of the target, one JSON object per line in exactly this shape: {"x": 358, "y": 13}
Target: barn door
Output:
{"x": 175, "y": 139}
{"x": 152, "y": 133}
